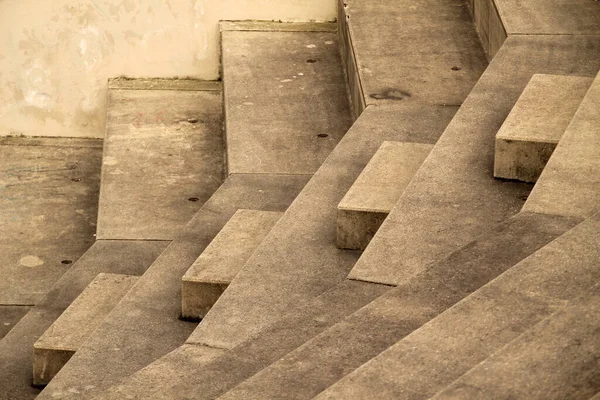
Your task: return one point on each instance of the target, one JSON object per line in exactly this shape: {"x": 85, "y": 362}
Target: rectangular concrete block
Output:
{"x": 535, "y": 124}
{"x": 220, "y": 262}
{"x": 376, "y": 191}
{"x": 64, "y": 337}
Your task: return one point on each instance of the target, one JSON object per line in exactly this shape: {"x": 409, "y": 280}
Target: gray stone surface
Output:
{"x": 557, "y": 359}
{"x": 432, "y": 54}
{"x": 66, "y": 335}
{"x": 163, "y": 158}
{"x": 221, "y": 261}
{"x": 376, "y": 191}
{"x": 9, "y": 316}
{"x": 454, "y": 197}
{"x": 48, "y": 205}
{"x": 285, "y": 100}
{"x": 299, "y": 258}
{"x": 178, "y": 375}
{"x": 319, "y": 363}
{"x": 145, "y": 325}
{"x": 449, "y": 345}
{"x": 535, "y": 124}
{"x": 16, "y": 355}
{"x": 570, "y": 183}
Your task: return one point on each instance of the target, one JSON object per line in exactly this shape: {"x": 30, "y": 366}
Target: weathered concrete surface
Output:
{"x": 376, "y": 191}
{"x": 145, "y": 325}
{"x": 48, "y": 206}
{"x": 489, "y": 25}
{"x": 556, "y": 359}
{"x": 299, "y": 259}
{"x": 9, "y": 316}
{"x": 224, "y": 257}
{"x": 535, "y": 124}
{"x": 178, "y": 374}
{"x": 570, "y": 183}
{"x": 449, "y": 345}
{"x": 433, "y": 55}
{"x": 454, "y": 197}
{"x": 285, "y": 100}
{"x": 163, "y": 158}
{"x": 16, "y": 355}
{"x": 322, "y": 361}
{"x": 66, "y": 335}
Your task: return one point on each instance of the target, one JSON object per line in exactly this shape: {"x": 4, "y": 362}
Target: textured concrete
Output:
{"x": 557, "y": 359}
{"x": 321, "y": 362}
{"x": 145, "y": 325}
{"x": 449, "y": 345}
{"x": 9, "y": 316}
{"x": 432, "y": 55}
{"x": 48, "y": 206}
{"x": 535, "y": 124}
{"x": 299, "y": 258}
{"x": 66, "y": 335}
{"x": 221, "y": 261}
{"x": 285, "y": 100}
{"x": 277, "y": 26}
{"x": 489, "y": 25}
{"x": 16, "y": 355}
{"x": 178, "y": 374}
{"x": 376, "y": 191}
{"x": 163, "y": 158}
{"x": 454, "y": 197}
{"x": 570, "y": 183}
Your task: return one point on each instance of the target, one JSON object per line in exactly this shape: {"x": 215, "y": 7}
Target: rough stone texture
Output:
{"x": 163, "y": 158}
{"x": 145, "y": 325}
{"x": 48, "y": 205}
{"x": 489, "y": 25}
{"x": 9, "y": 316}
{"x": 376, "y": 191}
{"x": 179, "y": 374}
{"x": 285, "y": 100}
{"x": 113, "y": 256}
{"x": 454, "y": 197}
{"x": 535, "y": 124}
{"x": 221, "y": 261}
{"x": 449, "y": 345}
{"x": 557, "y": 359}
{"x": 299, "y": 258}
{"x": 66, "y": 335}
{"x": 319, "y": 363}
{"x": 570, "y": 183}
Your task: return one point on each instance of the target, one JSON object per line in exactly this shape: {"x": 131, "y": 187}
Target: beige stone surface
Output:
{"x": 224, "y": 257}
{"x": 535, "y": 125}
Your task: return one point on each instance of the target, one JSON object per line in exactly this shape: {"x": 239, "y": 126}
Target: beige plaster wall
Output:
{"x": 56, "y": 55}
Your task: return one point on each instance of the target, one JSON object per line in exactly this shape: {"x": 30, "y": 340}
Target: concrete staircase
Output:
{"x": 467, "y": 286}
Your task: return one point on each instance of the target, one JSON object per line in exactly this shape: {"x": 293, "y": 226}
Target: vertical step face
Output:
{"x": 220, "y": 262}
{"x": 535, "y": 124}
{"x": 163, "y": 158}
{"x": 66, "y": 335}
{"x": 557, "y": 359}
{"x": 376, "y": 191}
{"x": 449, "y": 345}
{"x": 285, "y": 100}
{"x": 570, "y": 183}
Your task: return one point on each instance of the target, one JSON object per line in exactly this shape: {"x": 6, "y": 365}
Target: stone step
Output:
{"x": 66, "y": 335}
{"x": 285, "y": 96}
{"x": 570, "y": 183}
{"x": 449, "y": 345}
{"x": 556, "y": 359}
{"x": 454, "y": 197}
{"x": 535, "y": 124}
{"x": 163, "y": 156}
{"x": 128, "y": 257}
{"x": 327, "y": 358}
{"x": 145, "y": 325}
{"x": 376, "y": 191}
{"x": 219, "y": 263}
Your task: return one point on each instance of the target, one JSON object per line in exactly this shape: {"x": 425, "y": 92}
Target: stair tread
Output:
{"x": 163, "y": 158}
{"x": 285, "y": 100}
